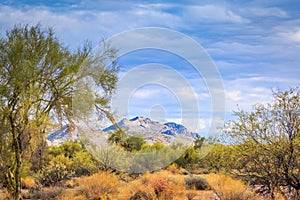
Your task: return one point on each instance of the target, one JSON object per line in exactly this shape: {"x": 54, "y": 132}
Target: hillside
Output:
{"x": 151, "y": 131}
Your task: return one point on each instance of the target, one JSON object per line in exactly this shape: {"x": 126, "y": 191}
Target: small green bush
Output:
{"x": 70, "y": 159}
{"x": 196, "y": 182}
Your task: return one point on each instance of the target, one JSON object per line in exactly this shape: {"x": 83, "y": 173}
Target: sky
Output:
{"x": 254, "y": 46}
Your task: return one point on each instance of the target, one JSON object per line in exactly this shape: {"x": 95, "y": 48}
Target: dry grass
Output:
{"x": 228, "y": 188}
{"x": 47, "y": 193}
{"x": 28, "y": 182}
{"x": 4, "y": 194}
{"x": 199, "y": 195}
{"x": 71, "y": 194}
{"x": 159, "y": 185}
{"x": 102, "y": 185}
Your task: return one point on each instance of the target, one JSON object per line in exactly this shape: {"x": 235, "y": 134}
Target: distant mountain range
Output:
{"x": 151, "y": 131}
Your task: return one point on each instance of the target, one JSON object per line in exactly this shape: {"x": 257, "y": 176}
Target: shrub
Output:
{"x": 75, "y": 157}
{"x": 196, "y": 182}
{"x": 28, "y": 182}
{"x": 54, "y": 173}
{"x": 133, "y": 143}
{"x": 227, "y": 188}
{"x": 71, "y": 194}
{"x": 142, "y": 195}
{"x": 68, "y": 160}
{"x": 102, "y": 185}
{"x": 4, "y": 194}
{"x": 190, "y": 195}
{"x": 162, "y": 185}
{"x": 189, "y": 158}
{"x": 47, "y": 193}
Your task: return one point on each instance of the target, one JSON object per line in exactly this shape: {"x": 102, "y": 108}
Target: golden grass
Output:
{"x": 160, "y": 185}
{"x": 102, "y": 185}
{"x": 28, "y": 182}
{"x": 4, "y": 194}
{"x": 199, "y": 195}
{"x": 228, "y": 188}
{"x": 71, "y": 194}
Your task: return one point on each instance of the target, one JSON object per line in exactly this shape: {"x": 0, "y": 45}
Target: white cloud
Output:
{"x": 292, "y": 35}
{"x": 213, "y": 13}
{"x": 234, "y": 95}
{"x": 265, "y": 12}
{"x": 144, "y": 93}
{"x": 75, "y": 26}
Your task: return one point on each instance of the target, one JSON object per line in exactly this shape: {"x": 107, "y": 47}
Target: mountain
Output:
{"x": 151, "y": 131}
{"x": 65, "y": 133}
{"x": 154, "y": 131}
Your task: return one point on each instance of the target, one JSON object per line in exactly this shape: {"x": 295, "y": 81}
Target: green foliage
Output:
{"x": 188, "y": 159}
{"x": 37, "y": 83}
{"x": 129, "y": 143}
{"x": 133, "y": 143}
{"x": 116, "y": 137}
{"x": 219, "y": 158}
{"x": 68, "y": 160}
{"x": 155, "y": 156}
{"x": 198, "y": 142}
{"x": 267, "y": 139}
{"x": 155, "y": 146}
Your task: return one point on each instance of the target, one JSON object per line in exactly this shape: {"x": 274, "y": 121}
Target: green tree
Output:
{"x": 133, "y": 143}
{"x": 219, "y": 158}
{"x": 189, "y": 158}
{"x": 117, "y": 136}
{"x": 37, "y": 81}
{"x": 268, "y": 141}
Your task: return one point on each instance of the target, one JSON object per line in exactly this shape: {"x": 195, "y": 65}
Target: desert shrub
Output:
{"x": 196, "y": 182}
{"x": 47, "y": 193}
{"x": 102, "y": 185}
{"x": 75, "y": 157}
{"x": 133, "y": 143}
{"x": 142, "y": 195}
{"x": 189, "y": 158}
{"x": 191, "y": 194}
{"x": 54, "y": 173}
{"x": 134, "y": 190}
{"x": 220, "y": 158}
{"x": 71, "y": 194}
{"x": 28, "y": 182}
{"x": 227, "y": 188}
{"x": 175, "y": 169}
{"x": 160, "y": 185}
{"x": 70, "y": 183}
{"x": 199, "y": 170}
{"x": 4, "y": 194}
{"x": 68, "y": 160}
{"x": 164, "y": 185}
{"x": 154, "y": 157}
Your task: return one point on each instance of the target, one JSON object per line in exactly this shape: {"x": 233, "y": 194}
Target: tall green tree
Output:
{"x": 37, "y": 82}
{"x": 268, "y": 139}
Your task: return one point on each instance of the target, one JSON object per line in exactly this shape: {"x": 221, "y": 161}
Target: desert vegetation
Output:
{"x": 259, "y": 159}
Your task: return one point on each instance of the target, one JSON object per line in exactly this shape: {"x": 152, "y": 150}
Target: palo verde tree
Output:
{"x": 268, "y": 141}
{"x": 37, "y": 81}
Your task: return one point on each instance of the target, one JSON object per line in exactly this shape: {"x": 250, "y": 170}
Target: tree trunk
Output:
{"x": 15, "y": 177}
{"x": 17, "y": 174}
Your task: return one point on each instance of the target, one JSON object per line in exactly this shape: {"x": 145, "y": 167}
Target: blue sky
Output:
{"x": 254, "y": 44}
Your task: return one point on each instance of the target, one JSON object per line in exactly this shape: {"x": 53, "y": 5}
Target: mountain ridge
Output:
{"x": 151, "y": 131}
